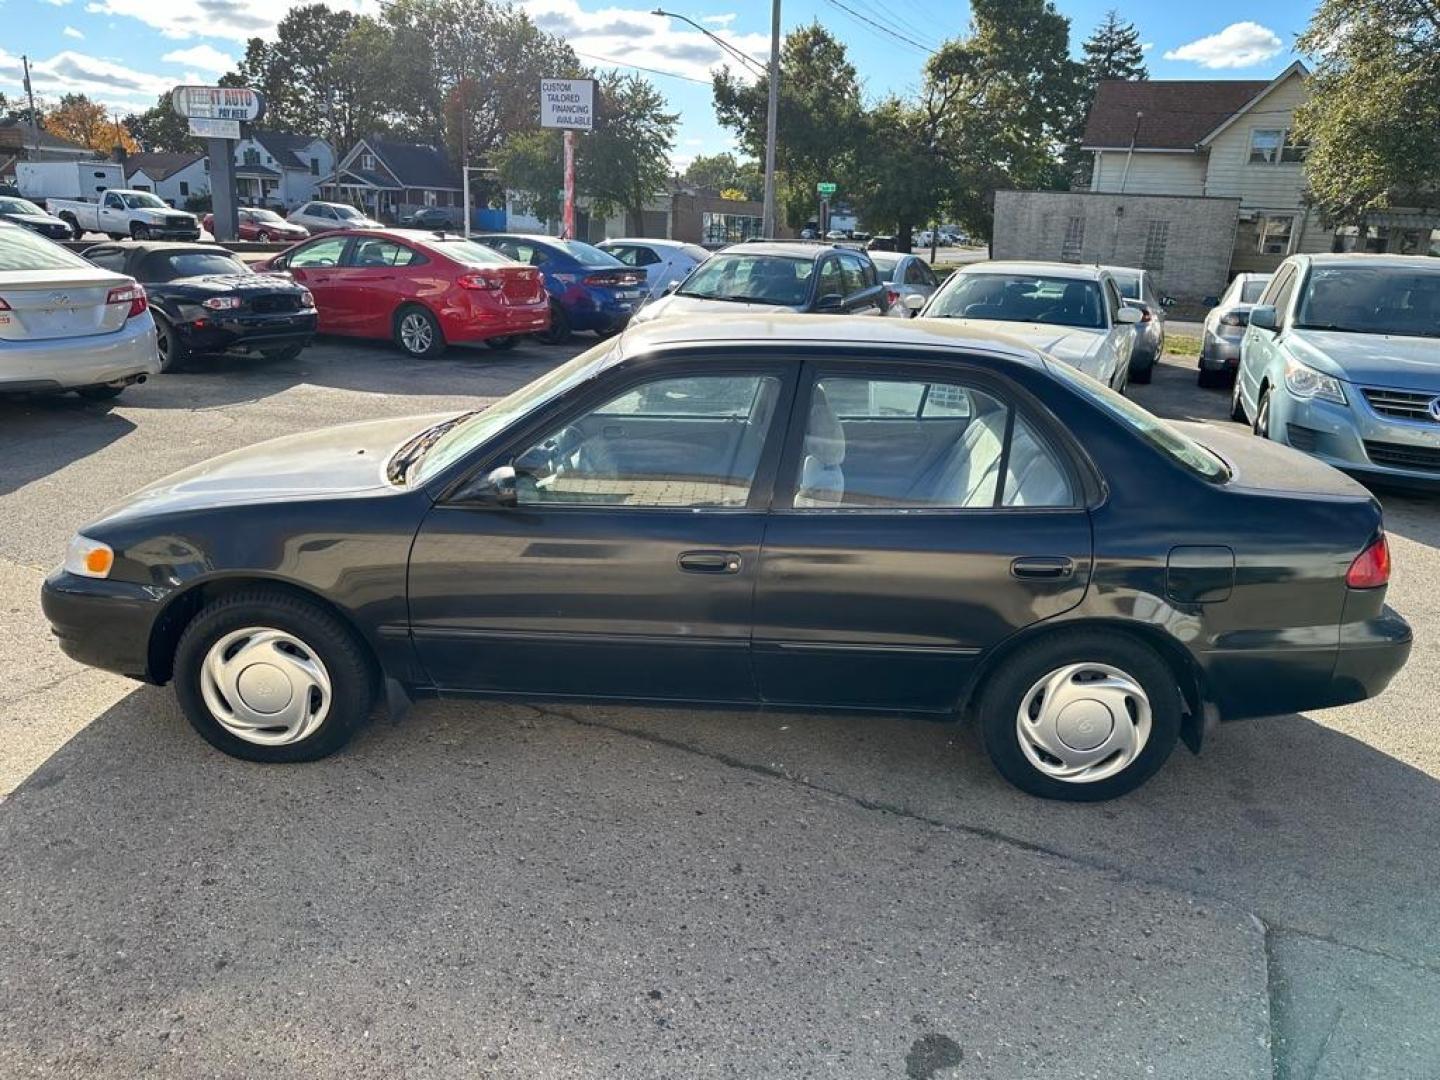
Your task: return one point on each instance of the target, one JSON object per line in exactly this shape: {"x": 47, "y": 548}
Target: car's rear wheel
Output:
{"x": 558, "y": 332}
{"x": 417, "y": 332}
{"x": 1081, "y": 716}
{"x": 267, "y": 676}
{"x": 1237, "y": 401}
{"x": 501, "y": 344}
{"x": 173, "y": 352}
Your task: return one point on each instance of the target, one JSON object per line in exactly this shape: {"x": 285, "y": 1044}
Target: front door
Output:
{"x": 628, "y": 567}
{"x": 316, "y": 265}
{"x": 921, "y": 517}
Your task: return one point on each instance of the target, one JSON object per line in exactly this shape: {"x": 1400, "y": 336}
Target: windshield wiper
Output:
{"x": 417, "y": 446}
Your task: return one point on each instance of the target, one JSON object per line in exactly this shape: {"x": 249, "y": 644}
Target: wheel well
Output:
{"x": 182, "y": 609}
{"x": 1188, "y": 675}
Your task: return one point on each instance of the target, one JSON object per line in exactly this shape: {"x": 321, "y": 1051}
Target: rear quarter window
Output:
{"x": 21, "y": 249}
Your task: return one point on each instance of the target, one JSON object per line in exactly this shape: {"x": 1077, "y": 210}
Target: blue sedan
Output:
{"x": 589, "y": 289}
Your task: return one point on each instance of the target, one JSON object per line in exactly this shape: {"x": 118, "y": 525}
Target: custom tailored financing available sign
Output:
{"x": 214, "y": 129}
{"x": 238, "y": 103}
{"x": 567, "y": 103}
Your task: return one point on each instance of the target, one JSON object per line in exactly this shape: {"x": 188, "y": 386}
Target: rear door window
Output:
{"x": 378, "y": 254}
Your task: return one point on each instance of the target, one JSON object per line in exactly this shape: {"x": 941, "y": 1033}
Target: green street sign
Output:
{"x": 825, "y": 189}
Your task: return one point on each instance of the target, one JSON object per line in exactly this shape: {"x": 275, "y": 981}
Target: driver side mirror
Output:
{"x": 830, "y": 302}
{"x": 1264, "y": 318}
{"x": 913, "y": 303}
{"x": 672, "y": 287}
{"x": 1167, "y": 301}
{"x": 1128, "y": 316}
{"x": 495, "y": 488}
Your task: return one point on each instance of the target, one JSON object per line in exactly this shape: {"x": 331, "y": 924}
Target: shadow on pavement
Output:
{"x": 29, "y": 448}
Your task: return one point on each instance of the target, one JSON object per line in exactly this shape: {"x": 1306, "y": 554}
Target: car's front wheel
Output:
{"x": 1237, "y": 401}
{"x": 1262, "y": 414}
{"x": 1081, "y": 716}
{"x": 268, "y": 676}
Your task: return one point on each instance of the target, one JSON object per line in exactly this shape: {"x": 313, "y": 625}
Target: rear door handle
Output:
{"x": 1042, "y": 566}
{"x": 710, "y": 562}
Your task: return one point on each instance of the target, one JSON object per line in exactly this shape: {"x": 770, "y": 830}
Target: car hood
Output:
{"x": 1406, "y": 363}
{"x": 675, "y": 304}
{"x": 343, "y": 460}
{"x": 1068, "y": 343}
{"x": 33, "y": 219}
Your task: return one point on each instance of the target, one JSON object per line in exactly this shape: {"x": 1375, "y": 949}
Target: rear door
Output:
{"x": 922, "y": 515}
{"x": 375, "y": 276}
{"x": 628, "y": 566}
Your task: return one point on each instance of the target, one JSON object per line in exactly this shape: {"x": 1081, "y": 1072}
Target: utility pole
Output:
{"x": 772, "y": 116}
{"x": 464, "y": 161}
{"x": 34, "y": 116}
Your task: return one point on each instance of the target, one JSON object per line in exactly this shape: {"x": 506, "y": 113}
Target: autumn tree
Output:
{"x": 82, "y": 120}
{"x": 1372, "y": 120}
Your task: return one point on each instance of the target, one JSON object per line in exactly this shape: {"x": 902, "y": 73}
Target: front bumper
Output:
{"x": 102, "y": 623}
{"x": 67, "y": 363}
{"x": 224, "y": 332}
{"x": 1357, "y": 440}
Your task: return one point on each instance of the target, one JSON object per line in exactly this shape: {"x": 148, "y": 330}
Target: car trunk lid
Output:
{"x": 522, "y": 284}
{"x": 47, "y": 304}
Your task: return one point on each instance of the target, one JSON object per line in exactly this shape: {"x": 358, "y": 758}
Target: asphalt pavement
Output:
{"x": 519, "y": 891}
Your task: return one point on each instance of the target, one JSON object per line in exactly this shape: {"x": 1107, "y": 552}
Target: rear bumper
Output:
{"x": 483, "y": 323}
{"x": 66, "y": 363}
{"x": 248, "y": 331}
{"x": 103, "y": 624}
{"x": 599, "y": 309}
{"x": 1284, "y": 679}
{"x": 1219, "y": 353}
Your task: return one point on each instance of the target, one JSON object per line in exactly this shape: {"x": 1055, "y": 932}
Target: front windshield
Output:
{"x": 1023, "y": 298}
{"x": 1181, "y": 449}
{"x": 1372, "y": 300}
{"x": 755, "y": 279}
{"x": 143, "y": 200}
{"x": 461, "y": 439}
{"x": 20, "y": 206}
{"x": 1251, "y": 290}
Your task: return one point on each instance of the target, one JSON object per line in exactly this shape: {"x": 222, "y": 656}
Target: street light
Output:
{"x": 768, "y": 221}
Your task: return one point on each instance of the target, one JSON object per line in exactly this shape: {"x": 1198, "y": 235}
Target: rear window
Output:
{"x": 1129, "y": 285}
{"x": 585, "y": 254}
{"x": 1181, "y": 449}
{"x": 187, "y": 264}
{"x": 468, "y": 252}
{"x": 886, "y": 264}
{"x": 21, "y": 249}
{"x": 1251, "y": 290}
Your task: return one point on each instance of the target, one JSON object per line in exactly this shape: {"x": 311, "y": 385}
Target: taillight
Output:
{"x": 613, "y": 279}
{"x": 1145, "y": 315}
{"x": 1234, "y": 318}
{"x": 132, "y": 294}
{"x": 892, "y": 297}
{"x": 479, "y": 279}
{"x": 1371, "y": 568}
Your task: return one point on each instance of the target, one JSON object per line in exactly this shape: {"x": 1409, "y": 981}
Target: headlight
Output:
{"x": 307, "y": 298}
{"x": 1306, "y": 382}
{"x": 88, "y": 558}
{"x": 221, "y": 303}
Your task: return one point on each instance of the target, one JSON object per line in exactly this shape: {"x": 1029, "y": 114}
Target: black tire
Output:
{"x": 1007, "y": 689}
{"x": 69, "y": 219}
{"x": 353, "y": 681}
{"x": 262, "y": 237}
{"x": 1142, "y": 375}
{"x": 282, "y": 353}
{"x": 1237, "y": 403}
{"x": 424, "y": 343}
{"x": 139, "y": 231}
{"x": 1261, "y": 426}
{"x": 503, "y": 344}
{"x": 101, "y": 392}
{"x": 173, "y": 352}
{"x": 558, "y": 332}
{"x": 1210, "y": 380}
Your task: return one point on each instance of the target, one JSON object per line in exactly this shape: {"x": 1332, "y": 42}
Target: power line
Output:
{"x": 882, "y": 28}
{"x": 640, "y": 67}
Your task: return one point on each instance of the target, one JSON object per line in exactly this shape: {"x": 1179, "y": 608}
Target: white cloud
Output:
{"x": 115, "y": 86}
{"x": 719, "y": 20}
{"x": 1147, "y": 46}
{"x": 635, "y": 36}
{"x": 205, "y": 57}
{"x": 237, "y": 20}
{"x": 71, "y": 32}
{"x": 58, "y": 3}
{"x": 1239, "y": 45}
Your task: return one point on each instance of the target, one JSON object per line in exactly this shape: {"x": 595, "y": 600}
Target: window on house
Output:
{"x": 1275, "y": 232}
{"x": 314, "y": 166}
{"x": 367, "y": 161}
{"x": 1293, "y": 151}
{"x": 1265, "y": 145}
{"x": 252, "y": 157}
{"x": 1074, "y": 242}
{"x": 184, "y": 189}
{"x": 1157, "y": 238}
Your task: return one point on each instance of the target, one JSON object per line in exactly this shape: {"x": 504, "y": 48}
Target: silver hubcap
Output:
{"x": 416, "y": 332}
{"x": 1083, "y": 723}
{"x": 265, "y": 686}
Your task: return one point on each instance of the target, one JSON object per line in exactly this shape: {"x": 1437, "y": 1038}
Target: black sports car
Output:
{"x": 784, "y": 511}
{"x": 205, "y": 300}
{"x": 26, "y": 213}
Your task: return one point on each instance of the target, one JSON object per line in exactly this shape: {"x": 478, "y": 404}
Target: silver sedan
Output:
{"x": 65, "y": 324}
{"x": 905, "y": 276}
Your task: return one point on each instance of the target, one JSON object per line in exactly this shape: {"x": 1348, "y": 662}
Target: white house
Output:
{"x": 1232, "y": 139}
{"x": 175, "y": 177}
{"x": 278, "y": 168}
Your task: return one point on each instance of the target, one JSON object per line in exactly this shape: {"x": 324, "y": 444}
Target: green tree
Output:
{"x": 159, "y": 128}
{"x": 1113, "y": 51}
{"x": 1372, "y": 119}
{"x": 723, "y": 172}
{"x": 820, "y": 118}
{"x": 619, "y": 167}
{"x": 902, "y": 178}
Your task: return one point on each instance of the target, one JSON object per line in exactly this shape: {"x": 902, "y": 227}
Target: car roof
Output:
{"x": 162, "y": 245}
{"x": 835, "y": 331}
{"x": 1124, "y": 270}
{"x": 803, "y": 249}
{"x": 1078, "y": 271}
{"x": 1356, "y": 258}
{"x": 648, "y": 241}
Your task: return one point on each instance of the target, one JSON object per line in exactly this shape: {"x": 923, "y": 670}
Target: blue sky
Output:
{"x": 125, "y": 52}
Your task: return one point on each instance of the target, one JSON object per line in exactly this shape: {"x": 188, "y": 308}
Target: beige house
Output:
{"x": 1232, "y": 139}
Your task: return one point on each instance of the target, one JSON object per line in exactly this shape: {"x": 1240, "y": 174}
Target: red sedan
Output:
{"x": 261, "y": 225}
{"x": 422, "y": 290}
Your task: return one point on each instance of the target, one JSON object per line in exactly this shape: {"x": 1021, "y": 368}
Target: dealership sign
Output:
{"x": 567, "y": 103}
{"x": 214, "y": 129}
{"x": 236, "y": 103}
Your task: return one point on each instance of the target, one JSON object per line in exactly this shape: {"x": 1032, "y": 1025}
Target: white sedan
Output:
{"x": 665, "y": 262}
{"x": 1074, "y": 313}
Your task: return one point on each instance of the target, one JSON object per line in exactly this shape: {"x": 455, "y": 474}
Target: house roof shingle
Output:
{"x": 1177, "y": 113}
{"x": 286, "y": 147}
{"x": 159, "y": 166}
{"x": 416, "y": 166}
{"x": 12, "y": 127}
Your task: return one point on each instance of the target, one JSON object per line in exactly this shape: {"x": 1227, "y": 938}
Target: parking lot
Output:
{"x": 507, "y": 890}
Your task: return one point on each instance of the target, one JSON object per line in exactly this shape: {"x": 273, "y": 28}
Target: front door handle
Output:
{"x": 710, "y": 562}
{"x": 1042, "y": 566}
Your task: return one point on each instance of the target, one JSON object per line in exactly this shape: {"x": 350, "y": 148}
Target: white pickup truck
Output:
{"x": 122, "y": 215}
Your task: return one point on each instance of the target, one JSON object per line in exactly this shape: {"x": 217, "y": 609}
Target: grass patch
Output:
{"x": 1181, "y": 345}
